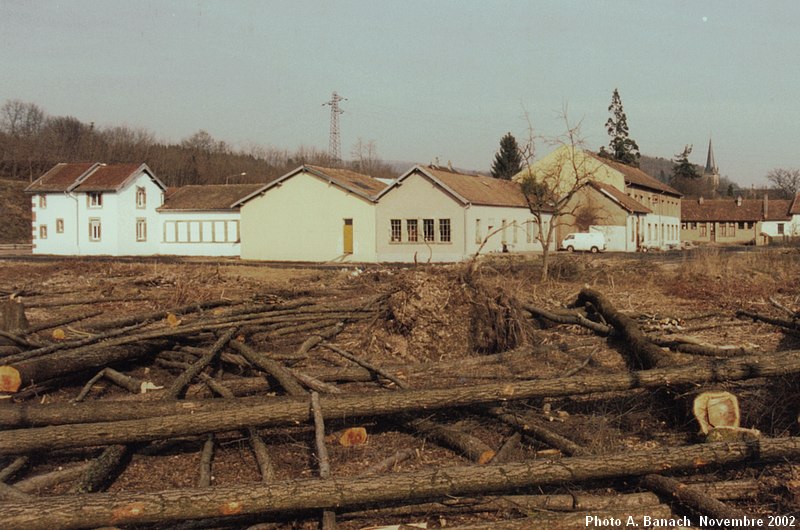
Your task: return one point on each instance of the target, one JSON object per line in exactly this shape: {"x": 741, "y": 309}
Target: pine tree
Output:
{"x": 622, "y": 149}
{"x": 508, "y": 160}
{"x": 683, "y": 168}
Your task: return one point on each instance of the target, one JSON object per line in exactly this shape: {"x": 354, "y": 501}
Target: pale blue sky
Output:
{"x": 423, "y": 79}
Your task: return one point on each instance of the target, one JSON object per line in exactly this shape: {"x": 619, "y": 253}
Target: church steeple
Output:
{"x": 711, "y": 171}
{"x": 711, "y": 164}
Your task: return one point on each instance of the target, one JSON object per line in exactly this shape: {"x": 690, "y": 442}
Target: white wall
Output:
{"x": 616, "y": 236}
{"x": 199, "y": 233}
{"x": 481, "y": 220}
{"x": 302, "y": 220}
{"x": 661, "y": 231}
{"x": 129, "y": 213}
{"x": 59, "y": 206}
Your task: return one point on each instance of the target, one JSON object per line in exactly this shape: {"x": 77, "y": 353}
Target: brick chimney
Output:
{"x": 739, "y": 200}
{"x": 700, "y": 200}
{"x": 766, "y": 205}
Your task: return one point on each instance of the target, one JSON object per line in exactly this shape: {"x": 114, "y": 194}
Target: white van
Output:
{"x": 588, "y": 241}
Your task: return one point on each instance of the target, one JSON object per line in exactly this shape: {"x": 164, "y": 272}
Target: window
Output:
{"x": 723, "y": 230}
{"x": 741, "y": 225}
{"x": 94, "y": 229}
{"x": 683, "y": 226}
{"x": 748, "y": 226}
{"x": 411, "y": 229}
{"x": 42, "y": 201}
{"x": 504, "y": 227}
{"x": 141, "y": 197}
{"x": 515, "y": 227}
{"x": 780, "y": 228}
{"x": 42, "y": 231}
{"x": 693, "y": 226}
{"x": 397, "y": 230}
{"x": 427, "y": 229}
{"x": 478, "y": 237}
{"x": 141, "y": 229}
{"x": 59, "y": 226}
{"x": 444, "y": 230}
{"x": 703, "y": 229}
{"x": 732, "y": 229}
{"x": 94, "y": 199}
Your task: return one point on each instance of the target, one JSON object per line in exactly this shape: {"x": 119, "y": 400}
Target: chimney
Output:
{"x": 700, "y": 200}
{"x": 766, "y": 205}
{"x": 450, "y": 165}
{"x": 739, "y": 200}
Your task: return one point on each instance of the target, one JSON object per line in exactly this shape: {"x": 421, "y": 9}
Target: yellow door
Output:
{"x": 348, "y": 236}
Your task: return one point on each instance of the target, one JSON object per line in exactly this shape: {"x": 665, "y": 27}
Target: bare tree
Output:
{"x": 785, "y": 179}
{"x": 23, "y": 123}
{"x": 549, "y": 188}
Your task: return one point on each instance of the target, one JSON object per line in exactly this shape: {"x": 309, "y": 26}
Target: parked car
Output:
{"x": 586, "y": 241}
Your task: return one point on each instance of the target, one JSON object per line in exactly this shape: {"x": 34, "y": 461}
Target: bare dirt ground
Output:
{"x": 434, "y": 329}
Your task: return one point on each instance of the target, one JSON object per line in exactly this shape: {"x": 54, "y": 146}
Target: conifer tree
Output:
{"x": 621, "y": 148}
{"x": 683, "y": 168}
{"x": 508, "y": 160}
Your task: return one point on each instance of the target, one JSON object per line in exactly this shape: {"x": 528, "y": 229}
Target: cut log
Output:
{"x": 716, "y": 409}
{"x": 203, "y": 417}
{"x": 506, "y": 452}
{"x": 328, "y": 516}
{"x": 569, "y": 318}
{"x": 643, "y": 353}
{"x": 93, "y": 510}
{"x": 792, "y": 325}
{"x": 692, "y": 496}
{"x": 12, "y": 316}
{"x": 461, "y": 441}
{"x": 181, "y": 382}
{"x": 206, "y": 457}
{"x": 131, "y": 384}
{"x": 41, "y": 482}
{"x": 62, "y": 321}
{"x": 13, "y": 468}
{"x": 391, "y": 462}
{"x": 102, "y": 470}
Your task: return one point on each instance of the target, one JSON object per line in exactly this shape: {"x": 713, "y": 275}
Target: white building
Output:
{"x": 202, "y": 220}
{"x": 312, "y": 214}
{"x": 92, "y": 209}
{"x": 436, "y": 214}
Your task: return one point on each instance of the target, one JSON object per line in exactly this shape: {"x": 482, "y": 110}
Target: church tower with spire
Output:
{"x": 711, "y": 171}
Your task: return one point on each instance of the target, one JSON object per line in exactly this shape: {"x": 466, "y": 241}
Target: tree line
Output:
{"x": 31, "y": 142}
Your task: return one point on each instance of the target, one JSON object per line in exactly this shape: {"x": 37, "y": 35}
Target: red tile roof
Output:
{"x": 108, "y": 178}
{"x": 794, "y": 209}
{"x": 209, "y": 197}
{"x": 636, "y": 177}
{"x": 479, "y": 190}
{"x": 620, "y": 198}
{"x": 727, "y": 210}
{"x": 59, "y": 178}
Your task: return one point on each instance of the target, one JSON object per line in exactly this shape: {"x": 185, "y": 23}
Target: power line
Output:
{"x": 335, "y": 141}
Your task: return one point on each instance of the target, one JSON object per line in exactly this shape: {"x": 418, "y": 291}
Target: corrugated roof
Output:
{"x": 208, "y": 197}
{"x": 479, "y": 190}
{"x": 59, "y": 178}
{"x": 107, "y": 178}
{"x": 726, "y": 210}
{"x": 621, "y": 198}
{"x": 358, "y": 182}
{"x": 636, "y": 177}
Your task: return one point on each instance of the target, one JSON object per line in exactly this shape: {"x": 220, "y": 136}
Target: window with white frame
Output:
{"x": 59, "y": 226}
{"x": 94, "y": 199}
{"x": 42, "y": 201}
{"x": 141, "y": 197}
{"x": 397, "y": 230}
{"x": 504, "y": 227}
{"x": 95, "y": 232}
{"x": 444, "y": 230}
{"x": 42, "y": 231}
{"x": 411, "y": 230}
{"x": 478, "y": 236}
{"x": 427, "y": 230}
{"x": 141, "y": 229}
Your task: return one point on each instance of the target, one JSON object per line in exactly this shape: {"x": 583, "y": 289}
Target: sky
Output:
{"x": 423, "y": 79}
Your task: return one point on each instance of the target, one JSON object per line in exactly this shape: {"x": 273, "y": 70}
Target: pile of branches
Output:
{"x": 225, "y": 379}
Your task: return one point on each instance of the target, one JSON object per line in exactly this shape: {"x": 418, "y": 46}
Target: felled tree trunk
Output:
{"x": 185, "y": 418}
{"x": 104, "y": 509}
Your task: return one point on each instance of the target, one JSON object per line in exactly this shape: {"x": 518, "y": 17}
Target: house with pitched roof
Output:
{"x": 435, "y": 214}
{"x": 739, "y": 221}
{"x": 312, "y": 213}
{"x": 202, "y": 220}
{"x": 94, "y": 208}
{"x": 634, "y": 210}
